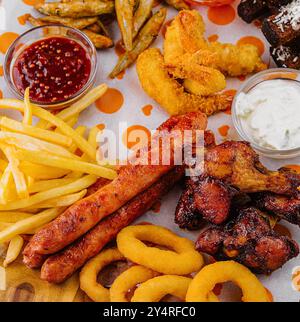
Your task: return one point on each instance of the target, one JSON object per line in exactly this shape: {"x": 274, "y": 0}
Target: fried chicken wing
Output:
{"x": 249, "y": 240}
{"x": 169, "y": 93}
{"x": 287, "y": 208}
{"x": 231, "y": 170}
{"x": 238, "y": 165}
{"x": 186, "y": 36}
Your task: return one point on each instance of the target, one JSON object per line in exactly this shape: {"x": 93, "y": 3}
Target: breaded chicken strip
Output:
{"x": 185, "y": 36}
{"x": 169, "y": 93}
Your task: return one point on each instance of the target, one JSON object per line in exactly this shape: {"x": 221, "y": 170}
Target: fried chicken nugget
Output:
{"x": 169, "y": 93}
{"x": 186, "y": 36}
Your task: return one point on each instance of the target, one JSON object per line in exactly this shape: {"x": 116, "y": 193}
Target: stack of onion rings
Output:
{"x": 182, "y": 261}
{"x": 221, "y": 272}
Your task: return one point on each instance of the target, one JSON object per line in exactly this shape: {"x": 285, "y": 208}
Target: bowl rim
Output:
{"x": 7, "y": 71}
{"x": 245, "y": 88}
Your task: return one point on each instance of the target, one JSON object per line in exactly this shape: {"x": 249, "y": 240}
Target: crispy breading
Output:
{"x": 169, "y": 93}
{"x": 186, "y": 36}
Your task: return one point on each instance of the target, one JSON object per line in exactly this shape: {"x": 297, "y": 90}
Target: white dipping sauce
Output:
{"x": 270, "y": 114}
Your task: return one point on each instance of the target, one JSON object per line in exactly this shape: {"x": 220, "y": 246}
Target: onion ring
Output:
{"x": 156, "y": 288}
{"x": 221, "y": 272}
{"x": 88, "y": 275}
{"x": 182, "y": 261}
{"x": 127, "y": 280}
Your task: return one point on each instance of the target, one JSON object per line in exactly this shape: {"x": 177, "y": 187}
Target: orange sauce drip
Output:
{"x": 6, "y": 39}
{"x": 282, "y": 230}
{"x": 111, "y": 101}
{"x": 130, "y": 131}
{"x": 1, "y": 94}
{"x": 213, "y": 38}
{"x": 33, "y": 2}
{"x": 242, "y": 78}
{"x": 156, "y": 207}
{"x": 147, "y": 109}
{"x": 232, "y": 93}
{"x": 165, "y": 27}
{"x": 222, "y": 15}
{"x": 223, "y": 130}
{"x": 22, "y": 19}
{"x": 121, "y": 75}
{"x": 101, "y": 126}
{"x": 251, "y": 40}
{"x": 1, "y": 70}
{"x": 119, "y": 48}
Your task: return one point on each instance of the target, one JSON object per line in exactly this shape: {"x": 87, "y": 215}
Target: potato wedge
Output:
{"x": 79, "y": 23}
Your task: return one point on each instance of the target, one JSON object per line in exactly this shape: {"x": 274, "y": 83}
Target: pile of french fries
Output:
{"x": 41, "y": 169}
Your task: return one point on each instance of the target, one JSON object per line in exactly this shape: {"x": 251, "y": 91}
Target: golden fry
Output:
{"x": 76, "y": 9}
{"x": 124, "y": 11}
{"x": 99, "y": 41}
{"x": 26, "y": 225}
{"x": 39, "y": 197}
{"x": 14, "y": 249}
{"x": 13, "y": 216}
{"x": 27, "y": 119}
{"x": 44, "y": 185}
{"x": 41, "y": 172}
{"x": 64, "y": 163}
{"x": 142, "y": 13}
{"x": 49, "y": 136}
{"x": 144, "y": 39}
{"x": 19, "y": 178}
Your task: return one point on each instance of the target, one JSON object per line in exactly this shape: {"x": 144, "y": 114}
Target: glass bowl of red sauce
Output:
{"x": 57, "y": 63}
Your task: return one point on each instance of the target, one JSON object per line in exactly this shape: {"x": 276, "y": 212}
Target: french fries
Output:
{"x": 8, "y": 124}
{"x": 13, "y": 216}
{"x": 40, "y": 168}
{"x": 27, "y": 119}
{"x": 39, "y": 197}
{"x": 14, "y": 249}
{"x": 2, "y": 279}
{"x": 65, "y": 163}
{"x": 27, "y": 225}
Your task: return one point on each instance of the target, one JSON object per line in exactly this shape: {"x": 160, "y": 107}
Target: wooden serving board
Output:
{"x": 24, "y": 285}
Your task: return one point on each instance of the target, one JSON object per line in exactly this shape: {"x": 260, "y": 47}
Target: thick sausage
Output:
{"x": 132, "y": 180}
{"x": 59, "y": 267}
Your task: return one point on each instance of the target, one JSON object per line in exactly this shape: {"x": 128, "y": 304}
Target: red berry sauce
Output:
{"x": 54, "y": 68}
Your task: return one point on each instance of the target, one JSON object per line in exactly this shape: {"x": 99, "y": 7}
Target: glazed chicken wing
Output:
{"x": 233, "y": 169}
{"x": 249, "y": 240}
{"x": 287, "y": 208}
